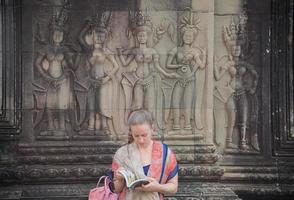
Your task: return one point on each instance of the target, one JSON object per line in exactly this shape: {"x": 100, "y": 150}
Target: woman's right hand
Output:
{"x": 117, "y": 175}
{"x": 118, "y": 181}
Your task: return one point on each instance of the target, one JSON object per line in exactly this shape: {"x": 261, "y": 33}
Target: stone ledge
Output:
{"x": 275, "y": 189}
{"x": 69, "y": 173}
{"x": 186, "y": 191}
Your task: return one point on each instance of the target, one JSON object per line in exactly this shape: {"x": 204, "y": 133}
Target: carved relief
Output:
{"x": 186, "y": 60}
{"x": 96, "y": 86}
{"x": 53, "y": 83}
{"x": 77, "y": 94}
{"x": 235, "y": 89}
{"x": 142, "y": 85}
{"x": 92, "y": 101}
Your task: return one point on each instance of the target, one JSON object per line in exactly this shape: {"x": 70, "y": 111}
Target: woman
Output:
{"x": 54, "y": 66}
{"x": 145, "y": 157}
{"x": 242, "y": 103}
{"x": 98, "y": 74}
{"x": 142, "y": 87}
{"x": 186, "y": 60}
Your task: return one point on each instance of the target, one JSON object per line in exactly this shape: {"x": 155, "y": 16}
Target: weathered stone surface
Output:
{"x": 217, "y": 75}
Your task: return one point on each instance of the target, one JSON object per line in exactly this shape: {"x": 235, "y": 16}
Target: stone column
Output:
{"x": 206, "y": 8}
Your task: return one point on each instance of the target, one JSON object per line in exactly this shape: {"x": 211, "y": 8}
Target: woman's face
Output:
{"x": 57, "y": 36}
{"x": 236, "y": 50}
{"x": 142, "y": 37}
{"x": 142, "y": 134}
{"x": 99, "y": 37}
{"x": 188, "y": 37}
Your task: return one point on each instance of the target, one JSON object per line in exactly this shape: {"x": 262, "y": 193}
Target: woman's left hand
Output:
{"x": 152, "y": 186}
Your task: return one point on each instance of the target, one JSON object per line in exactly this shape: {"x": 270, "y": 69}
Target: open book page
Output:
{"x": 131, "y": 181}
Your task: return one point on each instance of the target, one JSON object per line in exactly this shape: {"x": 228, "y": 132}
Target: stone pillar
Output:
{"x": 206, "y": 8}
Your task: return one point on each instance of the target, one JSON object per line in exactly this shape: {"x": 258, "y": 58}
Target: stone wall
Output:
{"x": 217, "y": 77}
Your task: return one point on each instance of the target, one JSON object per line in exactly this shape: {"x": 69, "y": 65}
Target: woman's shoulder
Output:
{"x": 122, "y": 150}
{"x": 160, "y": 143}
{"x": 196, "y": 51}
{"x": 152, "y": 51}
{"x": 165, "y": 146}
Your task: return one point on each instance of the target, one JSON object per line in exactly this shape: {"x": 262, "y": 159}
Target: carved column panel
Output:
{"x": 10, "y": 74}
{"x": 282, "y": 78}
{"x": 86, "y": 70}
{"x": 236, "y": 80}
{"x": 10, "y": 81}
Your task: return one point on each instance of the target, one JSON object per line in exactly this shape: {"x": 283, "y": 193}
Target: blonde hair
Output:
{"x": 138, "y": 117}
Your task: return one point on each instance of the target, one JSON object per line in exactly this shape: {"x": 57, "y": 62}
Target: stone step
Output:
{"x": 88, "y": 172}
{"x": 79, "y": 191}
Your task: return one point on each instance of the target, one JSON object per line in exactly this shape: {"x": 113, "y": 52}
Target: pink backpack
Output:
{"x": 102, "y": 193}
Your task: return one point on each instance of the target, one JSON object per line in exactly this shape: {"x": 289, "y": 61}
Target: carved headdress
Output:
{"x": 101, "y": 21}
{"x": 189, "y": 21}
{"x": 139, "y": 21}
{"x": 60, "y": 18}
{"x": 234, "y": 34}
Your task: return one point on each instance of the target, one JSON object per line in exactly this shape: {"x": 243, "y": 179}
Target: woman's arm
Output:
{"x": 83, "y": 33}
{"x": 118, "y": 182}
{"x": 219, "y": 73}
{"x": 67, "y": 61}
{"x": 38, "y": 64}
{"x": 170, "y": 58}
{"x": 198, "y": 63}
{"x": 157, "y": 66}
{"x": 115, "y": 65}
{"x": 113, "y": 71}
{"x": 170, "y": 187}
{"x": 125, "y": 62}
{"x": 202, "y": 62}
{"x": 169, "y": 61}
{"x": 255, "y": 79}
{"x": 118, "y": 179}
{"x": 72, "y": 60}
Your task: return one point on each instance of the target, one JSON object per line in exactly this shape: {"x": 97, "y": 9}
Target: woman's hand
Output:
{"x": 152, "y": 186}
{"x": 173, "y": 75}
{"x": 170, "y": 187}
{"x": 105, "y": 79}
{"x": 118, "y": 181}
{"x": 202, "y": 62}
{"x": 117, "y": 175}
